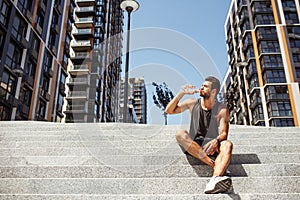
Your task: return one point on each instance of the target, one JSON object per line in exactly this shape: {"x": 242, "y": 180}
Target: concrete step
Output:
{"x": 168, "y": 149}
{"x": 290, "y": 196}
{"x": 128, "y": 186}
{"x": 129, "y": 143}
{"x": 180, "y": 159}
{"x": 146, "y": 171}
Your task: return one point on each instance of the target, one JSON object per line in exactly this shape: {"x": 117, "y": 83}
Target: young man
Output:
{"x": 208, "y": 133}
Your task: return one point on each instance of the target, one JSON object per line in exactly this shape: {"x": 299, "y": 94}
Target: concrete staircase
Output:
{"x": 40, "y": 160}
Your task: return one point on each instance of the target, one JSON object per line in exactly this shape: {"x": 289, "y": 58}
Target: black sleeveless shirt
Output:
{"x": 204, "y": 123}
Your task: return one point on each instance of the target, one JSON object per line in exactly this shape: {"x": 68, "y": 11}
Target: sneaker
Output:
{"x": 218, "y": 184}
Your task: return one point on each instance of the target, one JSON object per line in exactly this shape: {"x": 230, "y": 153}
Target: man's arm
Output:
{"x": 175, "y": 106}
{"x": 223, "y": 124}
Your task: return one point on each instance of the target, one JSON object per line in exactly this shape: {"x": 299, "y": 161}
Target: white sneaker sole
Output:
{"x": 221, "y": 186}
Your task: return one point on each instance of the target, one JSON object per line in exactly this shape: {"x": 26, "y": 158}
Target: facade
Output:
{"x": 263, "y": 43}
{"x": 137, "y": 100}
{"x": 32, "y": 73}
{"x": 94, "y": 66}
{"x": 54, "y": 65}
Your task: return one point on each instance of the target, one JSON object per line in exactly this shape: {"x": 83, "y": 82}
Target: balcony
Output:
{"x": 82, "y": 45}
{"x": 79, "y": 70}
{"x": 85, "y": 11}
{"x": 80, "y": 57}
{"x": 77, "y": 81}
{"x": 86, "y": 22}
{"x": 82, "y": 34}
{"x": 85, "y": 2}
{"x": 76, "y": 95}
{"x": 76, "y": 109}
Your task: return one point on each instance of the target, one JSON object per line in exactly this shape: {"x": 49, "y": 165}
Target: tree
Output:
{"x": 163, "y": 96}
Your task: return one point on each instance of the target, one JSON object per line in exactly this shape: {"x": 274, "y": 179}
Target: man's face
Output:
{"x": 205, "y": 90}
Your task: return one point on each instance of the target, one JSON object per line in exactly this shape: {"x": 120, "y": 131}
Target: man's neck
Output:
{"x": 208, "y": 104}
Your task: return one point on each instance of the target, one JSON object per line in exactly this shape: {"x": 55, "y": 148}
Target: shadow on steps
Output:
{"x": 235, "y": 168}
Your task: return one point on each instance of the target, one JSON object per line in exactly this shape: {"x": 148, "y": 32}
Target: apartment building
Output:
{"x": 261, "y": 86}
{"x": 32, "y": 73}
{"x": 54, "y": 62}
{"x": 95, "y": 63}
{"x": 137, "y": 100}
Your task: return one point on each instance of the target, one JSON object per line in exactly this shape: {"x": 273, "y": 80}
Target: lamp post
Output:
{"x": 129, "y": 6}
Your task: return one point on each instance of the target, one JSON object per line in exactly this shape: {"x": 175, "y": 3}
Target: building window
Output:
{"x": 257, "y": 114}
{"x": 262, "y": 19}
{"x": 35, "y": 43}
{"x": 13, "y": 56}
{"x": 269, "y": 47}
{"x": 42, "y": 110}
{"x": 269, "y": 33}
{"x": 24, "y": 5}
{"x": 44, "y": 86}
{"x": 25, "y": 100}
{"x": 271, "y": 61}
{"x": 4, "y": 7}
{"x": 19, "y": 28}
{"x": 278, "y": 92}
{"x": 2, "y": 40}
{"x": 7, "y": 87}
{"x": 291, "y": 18}
{"x": 30, "y": 68}
{"x": 4, "y": 113}
{"x": 288, "y": 3}
{"x": 280, "y": 108}
{"x": 47, "y": 62}
{"x": 274, "y": 76}
{"x": 295, "y": 43}
{"x": 282, "y": 122}
{"x": 39, "y": 19}
{"x": 298, "y": 72}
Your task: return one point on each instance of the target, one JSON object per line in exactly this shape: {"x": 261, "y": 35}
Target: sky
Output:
{"x": 177, "y": 42}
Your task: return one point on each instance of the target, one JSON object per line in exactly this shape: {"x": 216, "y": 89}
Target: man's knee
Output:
{"x": 181, "y": 135}
{"x": 226, "y": 146}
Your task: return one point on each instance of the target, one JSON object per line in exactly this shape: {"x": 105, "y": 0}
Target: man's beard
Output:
{"x": 205, "y": 96}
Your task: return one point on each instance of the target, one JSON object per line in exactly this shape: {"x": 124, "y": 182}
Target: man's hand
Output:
{"x": 188, "y": 89}
{"x": 211, "y": 147}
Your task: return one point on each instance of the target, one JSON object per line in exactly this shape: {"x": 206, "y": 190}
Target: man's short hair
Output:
{"x": 215, "y": 83}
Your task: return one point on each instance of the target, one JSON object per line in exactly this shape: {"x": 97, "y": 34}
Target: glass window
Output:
{"x": 39, "y": 19}
{"x": 13, "y": 56}
{"x": 269, "y": 47}
{"x": 4, "y": 113}
{"x": 19, "y": 28}
{"x": 35, "y": 43}
{"x": 7, "y": 87}
{"x": 277, "y": 92}
{"x": 2, "y": 40}
{"x": 274, "y": 76}
{"x": 271, "y": 61}
{"x": 4, "y": 7}
{"x": 25, "y": 96}
{"x": 280, "y": 108}
{"x": 42, "y": 108}
{"x": 291, "y": 18}
{"x": 24, "y": 5}
{"x": 30, "y": 69}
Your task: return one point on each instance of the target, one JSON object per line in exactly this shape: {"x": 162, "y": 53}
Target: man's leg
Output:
{"x": 184, "y": 140}
{"x": 219, "y": 183}
{"x": 223, "y": 159}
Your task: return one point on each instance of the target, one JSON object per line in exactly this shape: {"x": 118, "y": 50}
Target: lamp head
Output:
{"x": 129, "y": 5}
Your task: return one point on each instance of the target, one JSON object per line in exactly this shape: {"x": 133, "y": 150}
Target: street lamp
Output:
{"x": 129, "y": 6}
{"x": 240, "y": 64}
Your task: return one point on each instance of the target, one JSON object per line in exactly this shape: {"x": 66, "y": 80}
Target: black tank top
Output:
{"x": 204, "y": 123}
